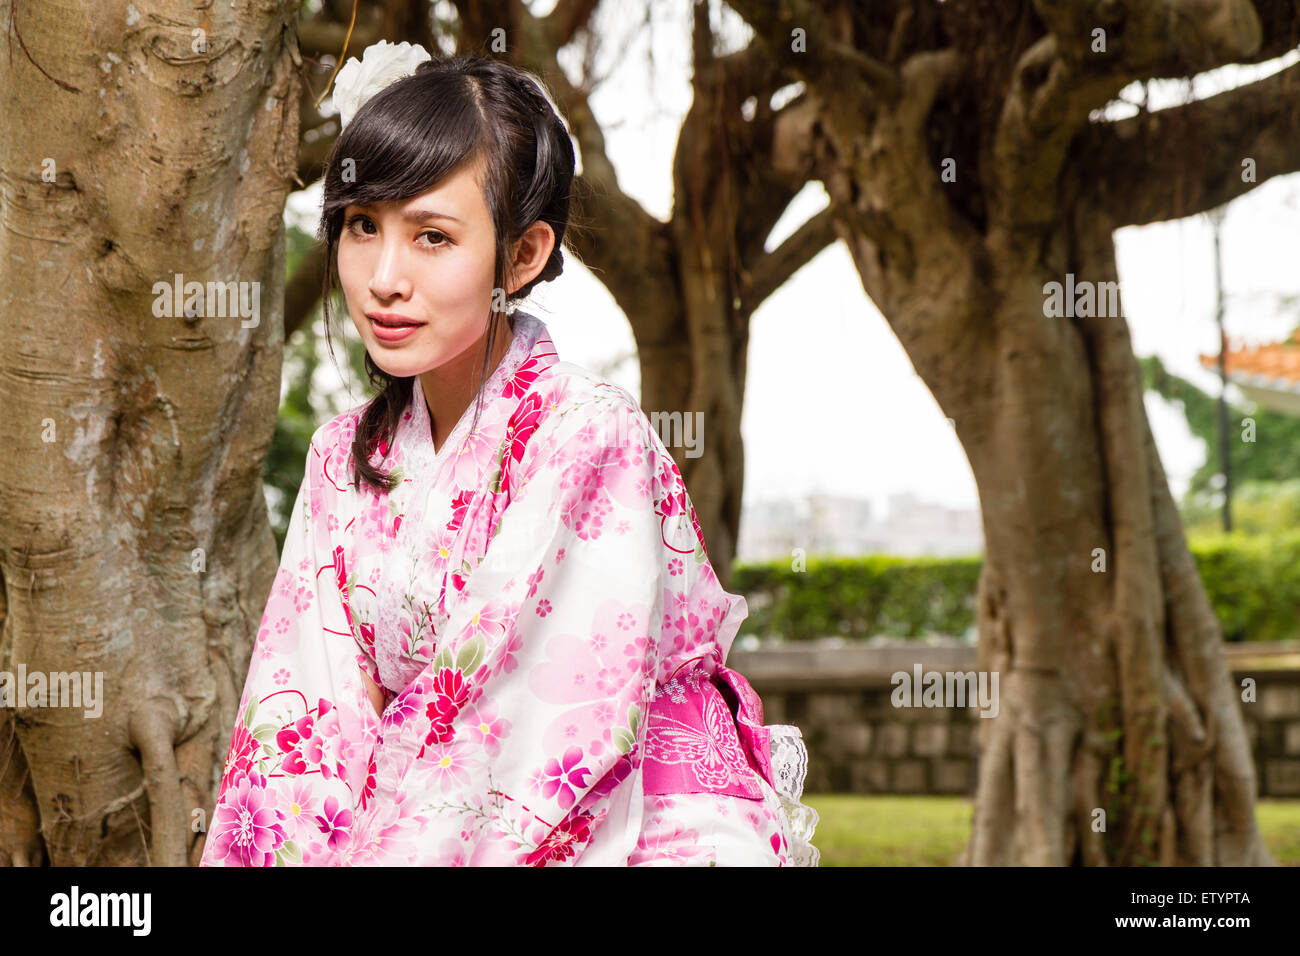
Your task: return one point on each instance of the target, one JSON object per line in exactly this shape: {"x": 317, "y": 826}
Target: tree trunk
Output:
{"x": 1114, "y": 692}
{"x": 134, "y": 541}
{"x": 698, "y": 354}
{"x": 970, "y": 162}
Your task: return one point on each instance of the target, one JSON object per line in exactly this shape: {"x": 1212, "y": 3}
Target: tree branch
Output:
{"x": 639, "y": 236}
{"x": 753, "y": 72}
{"x": 312, "y": 156}
{"x": 774, "y": 269}
{"x": 567, "y": 18}
{"x": 1184, "y": 36}
{"x": 302, "y": 291}
{"x": 825, "y": 59}
{"x": 1063, "y": 77}
{"x": 318, "y": 38}
{"x": 783, "y": 150}
{"x": 1188, "y": 159}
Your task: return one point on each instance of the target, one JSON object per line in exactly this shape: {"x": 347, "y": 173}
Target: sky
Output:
{"x": 832, "y": 403}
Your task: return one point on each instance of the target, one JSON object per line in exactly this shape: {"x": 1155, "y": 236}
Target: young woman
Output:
{"x": 495, "y": 636}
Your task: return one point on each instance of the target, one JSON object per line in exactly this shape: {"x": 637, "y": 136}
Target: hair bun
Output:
{"x": 554, "y": 266}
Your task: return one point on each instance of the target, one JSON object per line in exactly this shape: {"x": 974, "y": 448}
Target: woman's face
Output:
{"x": 418, "y": 275}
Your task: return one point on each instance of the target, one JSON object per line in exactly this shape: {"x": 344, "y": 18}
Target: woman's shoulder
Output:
{"x": 332, "y": 440}
{"x": 572, "y": 401}
{"x": 340, "y": 430}
{"x": 571, "y": 387}
{"x": 588, "y": 424}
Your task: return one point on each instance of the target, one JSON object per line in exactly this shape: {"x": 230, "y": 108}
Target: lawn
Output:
{"x": 932, "y": 831}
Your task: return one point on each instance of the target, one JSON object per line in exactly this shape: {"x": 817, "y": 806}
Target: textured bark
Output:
{"x": 1114, "y": 691}
{"x": 134, "y": 439}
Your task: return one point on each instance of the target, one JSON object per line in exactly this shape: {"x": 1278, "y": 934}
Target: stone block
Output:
{"x": 909, "y": 776}
{"x": 876, "y": 700}
{"x": 869, "y": 776}
{"x": 891, "y": 739}
{"x": 1293, "y": 738}
{"x": 774, "y": 709}
{"x": 1279, "y": 700}
{"x": 930, "y": 739}
{"x": 830, "y": 708}
{"x": 962, "y": 738}
{"x": 796, "y": 708}
{"x": 819, "y": 777}
{"x": 1271, "y": 738}
{"x": 953, "y": 775}
{"x": 1282, "y": 778}
{"x": 909, "y": 713}
{"x": 850, "y": 739}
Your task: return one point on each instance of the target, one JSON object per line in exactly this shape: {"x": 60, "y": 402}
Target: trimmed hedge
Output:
{"x": 1253, "y": 582}
{"x": 858, "y": 597}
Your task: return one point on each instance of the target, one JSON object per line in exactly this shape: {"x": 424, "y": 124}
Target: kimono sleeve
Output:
{"x": 520, "y": 742}
{"x": 298, "y": 758}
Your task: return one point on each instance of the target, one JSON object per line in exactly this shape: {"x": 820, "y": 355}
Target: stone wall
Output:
{"x": 858, "y": 742}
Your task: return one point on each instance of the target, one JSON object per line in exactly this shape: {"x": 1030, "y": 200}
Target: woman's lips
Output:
{"x": 392, "y": 328}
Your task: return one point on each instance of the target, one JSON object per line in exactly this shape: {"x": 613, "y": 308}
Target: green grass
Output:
{"x": 932, "y": 831}
{"x": 1279, "y": 822}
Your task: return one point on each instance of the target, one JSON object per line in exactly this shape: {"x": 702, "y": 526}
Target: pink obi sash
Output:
{"x": 693, "y": 745}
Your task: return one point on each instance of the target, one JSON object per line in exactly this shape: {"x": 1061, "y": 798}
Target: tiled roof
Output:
{"x": 1276, "y": 364}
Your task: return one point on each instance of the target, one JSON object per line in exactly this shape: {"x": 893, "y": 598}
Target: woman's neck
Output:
{"x": 450, "y": 388}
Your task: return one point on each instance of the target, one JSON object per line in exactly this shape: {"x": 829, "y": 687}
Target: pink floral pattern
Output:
{"x": 535, "y": 602}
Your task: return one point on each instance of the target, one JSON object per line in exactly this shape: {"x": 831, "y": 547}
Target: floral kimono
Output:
{"x": 535, "y": 602}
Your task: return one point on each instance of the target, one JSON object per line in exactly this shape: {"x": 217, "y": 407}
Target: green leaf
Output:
{"x": 470, "y": 655}
{"x": 249, "y": 711}
{"x": 622, "y": 740}
{"x": 265, "y": 732}
{"x": 633, "y": 718}
{"x": 291, "y": 852}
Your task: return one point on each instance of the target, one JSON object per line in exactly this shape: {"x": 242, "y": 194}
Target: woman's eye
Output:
{"x": 433, "y": 238}
{"x": 355, "y": 218}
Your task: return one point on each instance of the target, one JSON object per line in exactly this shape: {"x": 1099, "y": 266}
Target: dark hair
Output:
{"x": 452, "y": 113}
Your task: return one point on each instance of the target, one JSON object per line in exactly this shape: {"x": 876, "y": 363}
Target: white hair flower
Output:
{"x": 381, "y": 63}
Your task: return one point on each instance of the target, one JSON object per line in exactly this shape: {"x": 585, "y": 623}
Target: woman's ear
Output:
{"x": 531, "y": 252}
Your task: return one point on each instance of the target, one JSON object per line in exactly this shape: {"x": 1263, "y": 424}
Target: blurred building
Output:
{"x": 832, "y": 525}
{"x": 1268, "y": 375}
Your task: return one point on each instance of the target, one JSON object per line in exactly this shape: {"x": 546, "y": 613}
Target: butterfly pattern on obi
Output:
{"x": 691, "y": 742}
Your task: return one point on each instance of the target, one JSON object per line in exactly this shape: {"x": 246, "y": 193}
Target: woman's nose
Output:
{"x": 390, "y": 276}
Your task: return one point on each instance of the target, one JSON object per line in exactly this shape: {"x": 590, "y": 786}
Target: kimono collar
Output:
{"x": 531, "y": 344}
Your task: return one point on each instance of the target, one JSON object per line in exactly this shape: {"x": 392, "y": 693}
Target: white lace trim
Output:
{"x": 789, "y": 769}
